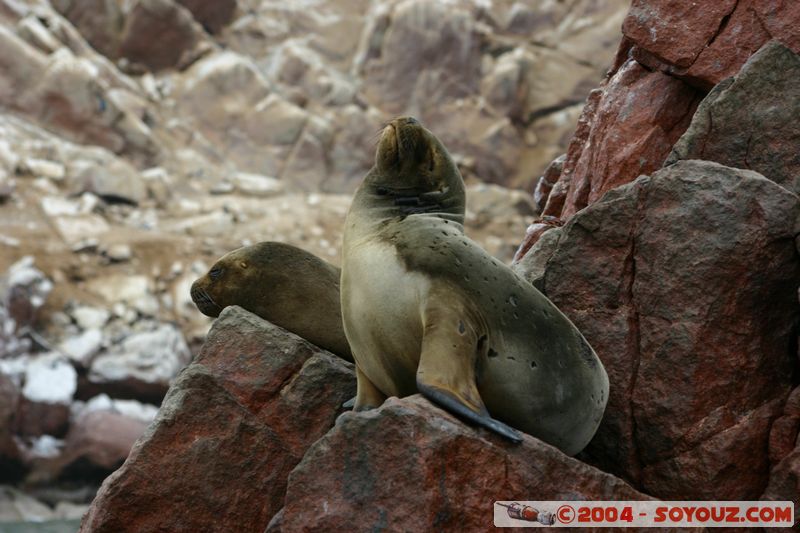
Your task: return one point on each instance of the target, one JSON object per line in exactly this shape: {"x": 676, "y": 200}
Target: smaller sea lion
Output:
{"x": 286, "y": 285}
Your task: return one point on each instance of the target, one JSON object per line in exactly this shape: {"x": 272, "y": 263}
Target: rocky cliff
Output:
{"x": 684, "y": 281}
{"x": 140, "y": 141}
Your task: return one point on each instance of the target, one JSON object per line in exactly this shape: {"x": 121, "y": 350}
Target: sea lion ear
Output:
{"x": 243, "y": 264}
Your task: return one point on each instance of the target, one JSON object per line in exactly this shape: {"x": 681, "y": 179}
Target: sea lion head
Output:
{"x": 216, "y": 289}
{"x": 228, "y": 282}
{"x": 414, "y": 170}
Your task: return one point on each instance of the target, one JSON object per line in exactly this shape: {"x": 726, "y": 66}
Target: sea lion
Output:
{"x": 281, "y": 283}
{"x": 426, "y": 309}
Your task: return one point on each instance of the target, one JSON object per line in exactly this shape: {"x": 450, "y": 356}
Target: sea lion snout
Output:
{"x": 404, "y": 143}
{"x": 204, "y": 302}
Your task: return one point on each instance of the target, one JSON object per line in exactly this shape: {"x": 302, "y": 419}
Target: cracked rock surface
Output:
{"x": 684, "y": 282}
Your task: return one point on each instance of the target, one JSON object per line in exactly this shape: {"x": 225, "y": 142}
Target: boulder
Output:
{"x": 50, "y": 383}
{"x": 704, "y": 43}
{"x": 404, "y": 36}
{"x": 212, "y": 14}
{"x": 10, "y": 462}
{"x": 230, "y": 430}
{"x": 114, "y": 179}
{"x": 100, "y": 22}
{"x": 98, "y": 442}
{"x": 143, "y": 364}
{"x": 160, "y": 34}
{"x": 749, "y": 121}
{"x": 410, "y": 466}
{"x": 233, "y": 105}
{"x": 627, "y": 129}
{"x": 80, "y": 97}
{"x": 685, "y": 285}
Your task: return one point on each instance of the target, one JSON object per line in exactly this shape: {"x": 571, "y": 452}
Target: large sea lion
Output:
{"x": 281, "y": 283}
{"x": 426, "y": 309}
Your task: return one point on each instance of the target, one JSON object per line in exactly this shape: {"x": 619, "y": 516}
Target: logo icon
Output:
{"x": 528, "y": 513}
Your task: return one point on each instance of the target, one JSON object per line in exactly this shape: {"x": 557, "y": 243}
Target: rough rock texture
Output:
{"x": 706, "y": 42}
{"x": 535, "y": 232}
{"x": 750, "y": 121}
{"x": 685, "y": 285}
{"x": 784, "y": 455}
{"x": 681, "y": 49}
{"x": 233, "y": 425}
{"x": 784, "y": 482}
{"x": 411, "y": 466}
{"x": 547, "y": 180}
{"x": 627, "y": 129}
{"x": 784, "y": 431}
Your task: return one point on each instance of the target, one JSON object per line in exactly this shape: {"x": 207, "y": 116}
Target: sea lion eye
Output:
{"x": 215, "y": 273}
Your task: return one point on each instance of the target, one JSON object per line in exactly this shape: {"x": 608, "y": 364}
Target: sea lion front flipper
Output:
{"x": 446, "y": 371}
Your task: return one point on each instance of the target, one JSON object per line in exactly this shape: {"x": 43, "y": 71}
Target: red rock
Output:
{"x": 784, "y": 431}
{"x": 230, "y": 430}
{"x": 40, "y": 418}
{"x": 684, "y": 284}
{"x": 750, "y": 121}
{"x": 97, "y": 443}
{"x": 410, "y": 466}
{"x": 706, "y": 42}
{"x": 547, "y": 180}
{"x": 102, "y": 438}
{"x": 674, "y": 30}
{"x": 558, "y": 194}
{"x": 629, "y": 129}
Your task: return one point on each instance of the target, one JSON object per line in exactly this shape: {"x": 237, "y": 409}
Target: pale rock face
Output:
{"x": 81, "y": 348}
{"x": 50, "y": 379}
{"x": 151, "y": 357}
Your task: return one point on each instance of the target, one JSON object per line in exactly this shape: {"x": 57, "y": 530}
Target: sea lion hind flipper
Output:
{"x": 367, "y": 394}
{"x": 446, "y": 371}
{"x": 451, "y": 403}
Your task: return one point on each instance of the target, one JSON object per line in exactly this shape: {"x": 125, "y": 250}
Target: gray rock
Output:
{"x": 144, "y": 361}
{"x": 81, "y": 348}
{"x": 750, "y": 121}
